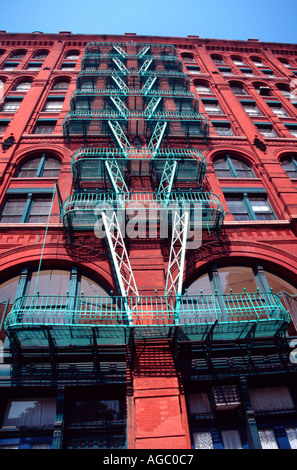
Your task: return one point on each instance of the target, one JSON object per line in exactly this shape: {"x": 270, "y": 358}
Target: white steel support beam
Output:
{"x": 116, "y": 177}
{"x": 167, "y": 179}
{"x": 120, "y": 105}
{"x": 176, "y": 263}
{"x": 120, "y": 82}
{"x": 157, "y": 137}
{"x": 121, "y": 263}
{"x": 148, "y": 84}
{"x": 120, "y": 65}
{"x": 152, "y": 106}
{"x": 120, "y": 51}
{"x": 143, "y": 51}
{"x": 145, "y": 66}
{"x": 119, "y": 134}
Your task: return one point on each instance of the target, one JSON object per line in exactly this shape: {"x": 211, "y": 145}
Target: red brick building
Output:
{"x": 138, "y": 340}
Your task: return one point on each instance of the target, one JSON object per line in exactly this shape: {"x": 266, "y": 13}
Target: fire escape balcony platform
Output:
{"x": 92, "y": 166}
{"x": 81, "y": 210}
{"x": 85, "y": 321}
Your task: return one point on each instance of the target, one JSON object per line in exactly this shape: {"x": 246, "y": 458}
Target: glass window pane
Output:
{"x": 90, "y": 288}
{"x": 198, "y": 403}
{"x": 231, "y": 439}
{"x": 202, "y": 440}
{"x": 292, "y": 437}
{"x": 237, "y": 278}
{"x": 30, "y": 412}
{"x": 92, "y": 411}
{"x": 267, "y": 439}
{"x": 50, "y": 282}
{"x": 13, "y": 210}
{"x": 203, "y": 283}
{"x": 29, "y": 169}
{"x": 39, "y": 210}
{"x": 279, "y": 284}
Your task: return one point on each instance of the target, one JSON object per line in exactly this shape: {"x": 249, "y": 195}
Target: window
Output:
{"x": 218, "y": 60}
{"x": 203, "y": 89}
{"x": 61, "y": 85}
{"x": 230, "y": 167}
{"x": 10, "y": 65}
{"x": 202, "y": 440}
{"x": 41, "y": 166}
{"x": 188, "y": 59}
{"x": 67, "y": 66}
{"x": 45, "y": 127}
{"x": 289, "y": 164}
{"x": 238, "y": 90}
{"x": 72, "y": 56}
{"x": 40, "y": 55}
{"x": 266, "y": 130}
{"x": 18, "y": 55}
{"x": 23, "y": 86}
{"x": 278, "y": 110}
{"x": 211, "y": 107}
{"x": 268, "y": 440}
{"x": 3, "y": 126}
{"x": 292, "y": 130}
{"x": 225, "y": 70}
{"x": 258, "y": 62}
{"x": 28, "y": 412}
{"x": 193, "y": 68}
{"x": 238, "y": 62}
{"x": 11, "y": 105}
{"x": 249, "y": 207}
{"x": 54, "y": 105}
{"x": 251, "y": 109}
{"x": 222, "y": 128}
{"x": 34, "y": 66}
{"x": 271, "y": 398}
{"x": 26, "y": 209}
{"x": 269, "y": 73}
{"x": 238, "y": 278}
{"x": 247, "y": 72}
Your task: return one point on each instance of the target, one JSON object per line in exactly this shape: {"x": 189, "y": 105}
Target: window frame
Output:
{"x": 41, "y": 166}
{"x": 246, "y": 199}
{"x": 28, "y": 196}
{"x": 233, "y": 173}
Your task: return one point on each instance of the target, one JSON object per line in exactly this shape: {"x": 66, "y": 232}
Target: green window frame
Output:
{"x": 231, "y": 167}
{"x": 249, "y": 206}
{"x": 289, "y": 165}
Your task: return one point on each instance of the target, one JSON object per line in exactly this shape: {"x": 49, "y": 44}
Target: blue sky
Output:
{"x": 266, "y": 20}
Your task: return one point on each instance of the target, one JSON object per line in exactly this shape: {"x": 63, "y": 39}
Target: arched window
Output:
{"x": 18, "y": 54}
{"x": 239, "y": 278}
{"x": 202, "y": 88}
{"x": 289, "y": 164}
{"x": 188, "y": 58}
{"x": 44, "y": 165}
{"x": 40, "y": 55}
{"x": 217, "y": 59}
{"x": 72, "y": 55}
{"x": 237, "y": 88}
{"x": 61, "y": 85}
{"x": 23, "y": 86}
{"x": 228, "y": 166}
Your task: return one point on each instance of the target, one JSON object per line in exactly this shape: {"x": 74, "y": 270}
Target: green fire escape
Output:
{"x": 136, "y": 99}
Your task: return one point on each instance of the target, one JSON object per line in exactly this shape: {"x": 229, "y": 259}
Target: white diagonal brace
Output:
{"x": 120, "y": 65}
{"x": 116, "y": 176}
{"x": 119, "y": 134}
{"x": 148, "y": 84}
{"x": 143, "y": 51}
{"x": 121, "y": 263}
{"x": 167, "y": 179}
{"x": 120, "y": 51}
{"x": 120, "y": 105}
{"x": 120, "y": 82}
{"x": 175, "y": 272}
{"x": 145, "y": 66}
{"x": 157, "y": 137}
{"x": 152, "y": 106}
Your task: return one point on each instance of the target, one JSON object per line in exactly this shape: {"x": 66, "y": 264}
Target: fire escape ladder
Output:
{"x": 116, "y": 177}
{"x": 167, "y": 179}
{"x": 120, "y": 82}
{"x": 175, "y": 272}
{"x": 148, "y": 84}
{"x": 120, "y": 65}
{"x": 145, "y": 66}
{"x": 120, "y": 51}
{"x": 121, "y": 263}
{"x": 120, "y": 106}
{"x": 143, "y": 51}
{"x": 157, "y": 137}
{"x": 152, "y": 106}
{"x": 119, "y": 135}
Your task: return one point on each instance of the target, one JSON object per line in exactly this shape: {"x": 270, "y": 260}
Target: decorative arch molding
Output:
{"x": 12, "y": 261}
{"x": 247, "y": 156}
{"x": 197, "y": 263}
{"x": 58, "y": 151}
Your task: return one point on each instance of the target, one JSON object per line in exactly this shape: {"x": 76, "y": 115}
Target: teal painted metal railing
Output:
{"x": 79, "y": 208}
{"x": 68, "y": 317}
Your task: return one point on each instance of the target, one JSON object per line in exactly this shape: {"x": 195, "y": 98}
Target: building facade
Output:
{"x": 148, "y": 250}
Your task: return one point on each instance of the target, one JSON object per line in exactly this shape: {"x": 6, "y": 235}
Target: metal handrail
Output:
{"x": 147, "y": 310}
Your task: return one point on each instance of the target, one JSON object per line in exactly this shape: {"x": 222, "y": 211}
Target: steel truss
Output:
{"x": 121, "y": 262}
{"x": 175, "y": 272}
